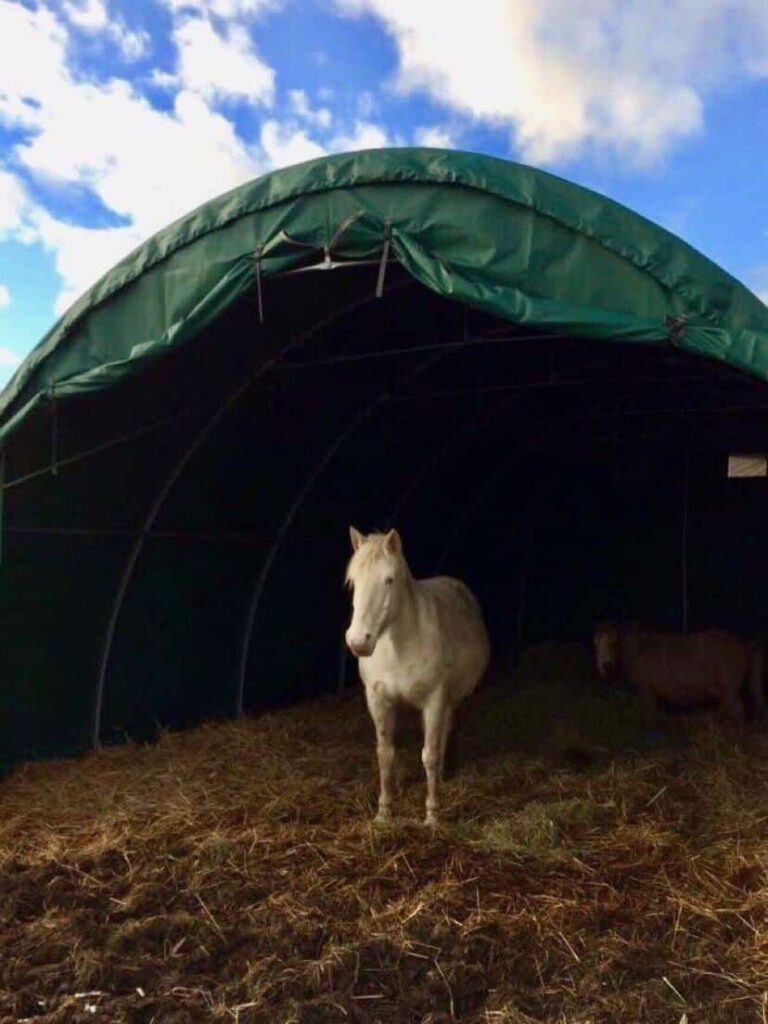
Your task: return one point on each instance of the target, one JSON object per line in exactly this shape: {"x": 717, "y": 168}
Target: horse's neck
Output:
{"x": 404, "y": 630}
{"x": 630, "y": 642}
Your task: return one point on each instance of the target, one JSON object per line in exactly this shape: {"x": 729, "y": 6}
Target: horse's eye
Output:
{"x": 389, "y": 580}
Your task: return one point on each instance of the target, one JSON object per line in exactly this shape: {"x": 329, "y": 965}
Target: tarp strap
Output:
{"x": 676, "y": 326}
{"x": 341, "y": 230}
{"x": 384, "y": 260}
{"x": 259, "y": 298}
{"x": 54, "y": 430}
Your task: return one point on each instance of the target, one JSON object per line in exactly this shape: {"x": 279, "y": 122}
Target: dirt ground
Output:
{"x": 233, "y": 873}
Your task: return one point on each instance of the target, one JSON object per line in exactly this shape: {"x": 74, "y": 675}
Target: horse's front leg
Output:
{"x": 383, "y": 714}
{"x": 431, "y": 755}
{"x": 645, "y": 691}
{"x": 731, "y": 705}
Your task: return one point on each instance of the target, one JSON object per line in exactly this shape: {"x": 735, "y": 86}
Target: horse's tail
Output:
{"x": 755, "y": 652}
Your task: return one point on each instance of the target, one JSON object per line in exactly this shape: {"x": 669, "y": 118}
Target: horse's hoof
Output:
{"x": 431, "y": 820}
{"x": 383, "y": 818}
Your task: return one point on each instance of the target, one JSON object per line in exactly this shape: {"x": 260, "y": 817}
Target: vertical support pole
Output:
{"x": 384, "y": 260}
{"x": 684, "y": 546}
{"x": 522, "y": 594}
{"x": 232, "y": 399}
{"x": 2, "y": 503}
{"x": 295, "y": 508}
{"x": 54, "y": 430}
{"x": 259, "y": 297}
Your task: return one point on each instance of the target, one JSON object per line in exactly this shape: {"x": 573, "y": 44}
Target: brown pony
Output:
{"x": 684, "y": 669}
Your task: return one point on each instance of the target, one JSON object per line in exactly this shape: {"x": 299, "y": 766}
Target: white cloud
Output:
{"x": 758, "y": 280}
{"x": 630, "y": 76}
{"x": 88, "y": 14}
{"x": 222, "y": 64}
{"x": 147, "y": 165}
{"x": 366, "y": 105}
{"x": 8, "y": 360}
{"x": 15, "y": 208}
{"x": 5, "y": 299}
{"x": 164, "y": 79}
{"x": 224, "y": 8}
{"x": 142, "y": 162}
{"x": 134, "y": 45}
{"x": 364, "y": 135}
{"x": 285, "y": 144}
{"x": 82, "y": 255}
{"x": 439, "y": 138}
{"x": 299, "y": 103}
{"x": 93, "y": 16}
{"x": 31, "y": 69}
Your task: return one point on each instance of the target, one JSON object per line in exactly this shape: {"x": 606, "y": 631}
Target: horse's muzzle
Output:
{"x": 361, "y": 647}
{"x": 606, "y": 668}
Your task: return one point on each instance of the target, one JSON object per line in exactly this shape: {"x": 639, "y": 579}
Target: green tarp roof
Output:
{"x": 513, "y": 241}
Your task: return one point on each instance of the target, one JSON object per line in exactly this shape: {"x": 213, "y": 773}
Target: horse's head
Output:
{"x": 378, "y": 575}
{"x": 607, "y": 648}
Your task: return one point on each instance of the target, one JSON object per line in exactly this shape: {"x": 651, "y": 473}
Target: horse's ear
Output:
{"x": 392, "y": 543}
{"x": 356, "y": 537}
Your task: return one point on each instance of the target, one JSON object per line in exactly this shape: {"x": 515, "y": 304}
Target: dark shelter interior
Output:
{"x": 173, "y": 545}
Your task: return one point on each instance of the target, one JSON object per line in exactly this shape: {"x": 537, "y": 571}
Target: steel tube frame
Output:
{"x": 96, "y": 450}
{"x": 684, "y": 546}
{"x": 426, "y": 468}
{"x": 478, "y": 423}
{"x": 189, "y": 452}
{"x": 298, "y": 501}
{"x": 468, "y": 510}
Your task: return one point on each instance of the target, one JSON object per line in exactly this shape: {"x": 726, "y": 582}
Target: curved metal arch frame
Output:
{"x": 442, "y": 452}
{"x": 295, "y": 507}
{"x": 604, "y": 437}
{"x": 478, "y": 423}
{"x": 162, "y": 495}
{"x": 470, "y": 509}
{"x": 423, "y": 472}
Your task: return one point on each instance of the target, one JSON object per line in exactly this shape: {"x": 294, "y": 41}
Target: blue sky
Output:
{"x": 117, "y": 116}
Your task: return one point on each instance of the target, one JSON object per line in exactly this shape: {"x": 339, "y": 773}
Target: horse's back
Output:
{"x": 711, "y": 645}
{"x": 689, "y": 667}
{"x": 461, "y": 629}
{"x": 449, "y": 589}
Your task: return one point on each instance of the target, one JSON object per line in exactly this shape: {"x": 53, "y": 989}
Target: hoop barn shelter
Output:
{"x": 539, "y": 387}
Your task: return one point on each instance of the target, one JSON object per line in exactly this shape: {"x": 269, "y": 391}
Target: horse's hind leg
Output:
{"x": 383, "y": 715}
{"x": 732, "y": 709}
{"x": 445, "y": 732}
{"x": 434, "y": 717}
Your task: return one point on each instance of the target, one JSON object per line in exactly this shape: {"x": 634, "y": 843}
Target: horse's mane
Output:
{"x": 369, "y": 552}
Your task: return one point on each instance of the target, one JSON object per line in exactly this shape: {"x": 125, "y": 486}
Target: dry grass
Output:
{"x": 232, "y": 873}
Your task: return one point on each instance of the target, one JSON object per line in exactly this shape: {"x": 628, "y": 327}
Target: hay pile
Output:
{"x": 231, "y": 873}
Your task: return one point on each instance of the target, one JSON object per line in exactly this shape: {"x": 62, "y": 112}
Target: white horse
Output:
{"x": 418, "y": 642}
